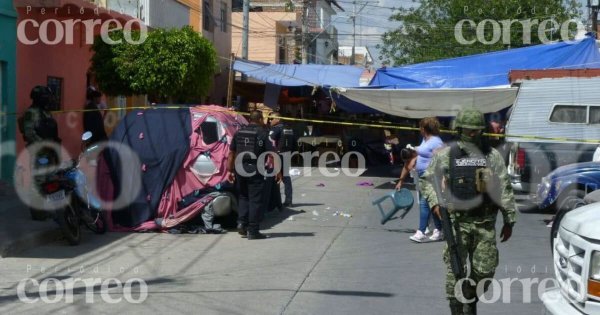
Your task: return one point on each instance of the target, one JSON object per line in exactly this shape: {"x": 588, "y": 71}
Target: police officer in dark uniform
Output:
{"x": 285, "y": 144}
{"x": 247, "y": 146}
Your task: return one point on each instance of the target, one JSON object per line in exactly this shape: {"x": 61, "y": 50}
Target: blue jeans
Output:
{"x": 426, "y": 214}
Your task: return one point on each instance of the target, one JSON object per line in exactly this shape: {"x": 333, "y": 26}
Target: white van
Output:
{"x": 554, "y": 122}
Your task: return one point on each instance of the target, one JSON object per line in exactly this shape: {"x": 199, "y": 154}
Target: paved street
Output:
{"x": 314, "y": 263}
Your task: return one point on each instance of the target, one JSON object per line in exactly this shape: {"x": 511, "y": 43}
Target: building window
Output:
{"x": 224, "y": 17}
{"x": 56, "y": 85}
{"x": 594, "y": 114}
{"x": 207, "y": 18}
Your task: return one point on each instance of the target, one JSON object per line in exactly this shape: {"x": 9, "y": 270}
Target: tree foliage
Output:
{"x": 171, "y": 65}
{"x": 427, "y": 31}
{"x": 104, "y": 65}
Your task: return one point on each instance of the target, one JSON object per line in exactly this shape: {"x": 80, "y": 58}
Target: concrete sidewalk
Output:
{"x": 18, "y": 232}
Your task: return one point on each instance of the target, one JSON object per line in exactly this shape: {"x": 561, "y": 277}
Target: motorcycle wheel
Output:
{"x": 68, "y": 220}
{"x": 97, "y": 224}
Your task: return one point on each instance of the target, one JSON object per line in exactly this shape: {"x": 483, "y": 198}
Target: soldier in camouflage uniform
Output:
{"x": 476, "y": 185}
{"x": 37, "y": 126}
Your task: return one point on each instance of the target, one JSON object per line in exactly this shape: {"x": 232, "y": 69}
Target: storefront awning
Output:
{"x": 298, "y": 75}
{"x": 420, "y": 103}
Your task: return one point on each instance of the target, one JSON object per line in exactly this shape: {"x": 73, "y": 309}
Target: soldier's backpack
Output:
{"x": 46, "y": 128}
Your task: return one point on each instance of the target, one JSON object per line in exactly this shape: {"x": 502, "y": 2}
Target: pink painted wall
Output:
{"x": 70, "y": 62}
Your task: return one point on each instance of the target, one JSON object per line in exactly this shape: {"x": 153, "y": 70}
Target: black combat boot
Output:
{"x": 256, "y": 236}
{"x": 241, "y": 228}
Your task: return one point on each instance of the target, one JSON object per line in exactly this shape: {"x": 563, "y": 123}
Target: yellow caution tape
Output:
{"x": 385, "y": 125}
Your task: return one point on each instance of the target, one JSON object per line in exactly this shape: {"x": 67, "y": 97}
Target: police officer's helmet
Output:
{"x": 41, "y": 95}
{"x": 470, "y": 118}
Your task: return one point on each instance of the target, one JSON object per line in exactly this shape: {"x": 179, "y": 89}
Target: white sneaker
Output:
{"x": 427, "y": 231}
{"x": 437, "y": 235}
{"x": 418, "y": 237}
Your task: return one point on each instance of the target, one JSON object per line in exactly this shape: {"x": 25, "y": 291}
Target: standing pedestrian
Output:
{"x": 248, "y": 144}
{"x": 93, "y": 120}
{"x": 285, "y": 143}
{"x": 430, "y": 129}
{"x": 477, "y": 186}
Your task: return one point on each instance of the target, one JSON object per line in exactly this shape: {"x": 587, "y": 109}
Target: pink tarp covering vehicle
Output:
{"x": 182, "y": 167}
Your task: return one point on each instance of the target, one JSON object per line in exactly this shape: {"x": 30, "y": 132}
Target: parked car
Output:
{"x": 175, "y": 168}
{"x": 553, "y": 123}
{"x": 576, "y": 260}
{"x": 566, "y": 186}
{"x": 564, "y": 189}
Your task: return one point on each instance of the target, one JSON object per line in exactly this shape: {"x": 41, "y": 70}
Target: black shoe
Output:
{"x": 241, "y": 228}
{"x": 256, "y": 236}
{"x": 287, "y": 204}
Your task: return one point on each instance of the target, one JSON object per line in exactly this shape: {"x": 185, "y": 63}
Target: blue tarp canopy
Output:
{"x": 489, "y": 69}
{"x": 443, "y": 87}
{"x": 298, "y": 75}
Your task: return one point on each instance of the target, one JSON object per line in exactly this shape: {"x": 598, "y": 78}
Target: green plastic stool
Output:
{"x": 401, "y": 199}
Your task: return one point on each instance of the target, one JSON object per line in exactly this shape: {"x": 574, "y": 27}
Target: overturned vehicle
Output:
{"x": 167, "y": 167}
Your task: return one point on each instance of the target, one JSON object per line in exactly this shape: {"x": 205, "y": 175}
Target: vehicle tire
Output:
{"x": 98, "y": 224}
{"x": 572, "y": 200}
{"x": 69, "y": 223}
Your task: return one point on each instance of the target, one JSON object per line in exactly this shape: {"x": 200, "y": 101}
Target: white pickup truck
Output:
{"x": 576, "y": 256}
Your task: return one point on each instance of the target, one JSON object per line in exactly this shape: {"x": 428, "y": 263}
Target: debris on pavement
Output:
{"x": 342, "y": 214}
{"x": 315, "y": 213}
{"x": 365, "y": 183}
{"x": 320, "y": 185}
{"x": 295, "y": 172}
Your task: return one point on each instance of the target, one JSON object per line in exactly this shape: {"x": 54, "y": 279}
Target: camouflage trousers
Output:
{"x": 478, "y": 248}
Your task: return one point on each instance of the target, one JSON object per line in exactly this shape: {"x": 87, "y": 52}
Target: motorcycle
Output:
{"x": 66, "y": 190}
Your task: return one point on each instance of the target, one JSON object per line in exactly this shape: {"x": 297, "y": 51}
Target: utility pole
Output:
{"x": 594, "y": 5}
{"x": 305, "y": 31}
{"x": 352, "y": 57}
{"x": 245, "y": 26}
{"x": 353, "y": 17}
{"x": 230, "y": 81}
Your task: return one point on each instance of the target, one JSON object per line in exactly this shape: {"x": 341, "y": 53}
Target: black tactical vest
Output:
{"x": 468, "y": 176}
{"x": 248, "y": 140}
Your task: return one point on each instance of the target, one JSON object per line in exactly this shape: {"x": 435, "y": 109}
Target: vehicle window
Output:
{"x": 569, "y": 114}
{"x": 209, "y": 131}
{"x": 594, "y": 114}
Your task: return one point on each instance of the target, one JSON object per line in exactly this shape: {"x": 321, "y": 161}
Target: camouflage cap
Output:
{"x": 470, "y": 118}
